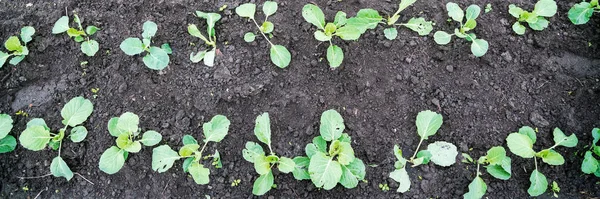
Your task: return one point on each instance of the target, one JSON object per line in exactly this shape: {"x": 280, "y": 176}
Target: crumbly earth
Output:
{"x": 542, "y": 79}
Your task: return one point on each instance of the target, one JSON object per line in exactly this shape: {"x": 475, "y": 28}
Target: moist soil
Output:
{"x": 543, "y": 79}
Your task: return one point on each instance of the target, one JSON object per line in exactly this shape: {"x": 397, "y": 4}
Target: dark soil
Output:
{"x": 543, "y": 79}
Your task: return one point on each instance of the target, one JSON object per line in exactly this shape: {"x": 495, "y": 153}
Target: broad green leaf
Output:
{"x": 314, "y": 15}
{"x": 320, "y": 144}
{"x": 249, "y": 37}
{"x": 199, "y": 173}
{"x": 442, "y": 153}
{"x": 330, "y": 28}
{"x": 286, "y": 165}
{"x": 470, "y": 25}
{"x": 37, "y": 122}
{"x": 246, "y": 10}
{"x": 539, "y": 184}
{"x": 112, "y": 160}
{"x": 455, "y": 12}
{"x": 539, "y": 24}
{"x": 348, "y": 33}
{"x": 324, "y": 171}
{"x": 78, "y": 133}
{"x": 477, "y": 189}
{"x": 3, "y": 57}
{"x": 352, "y": 173}
{"x": 496, "y": 155}
{"x": 267, "y": 27}
{"x": 365, "y": 19}
{"x": 404, "y": 4}
{"x": 580, "y": 13}
{"x": 188, "y": 139}
{"x": 78, "y": 38}
{"x": 195, "y": 58}
{"x": 133, "y": 147}
{"x": 428, "y": 123}
{"x": 515, "y": 11}
{"x": 346, "y": 153}
{"x": 113, "y": 129}
{"x": 156, "y": 59}
{"x": 301, "y": 168}
{"x": 150, "y": 29}
{"x": 529, "y": 132}
{"x": 188, "y": 150}
{"x": 8, "y": 144}
{"x": 560, "y": 139}
{"x": 90, "y": 47}
{"x": 501, "y": 171}
{"x": 589, "y": 164}
{"x": 472, "y": 12}
{"x": 128, "y": 122}
{"x": 132, "y": 46}
{"x": 35, "y": 138}
{"x": 193, "y": 30}
{"x": 252, "y": 151}
{"x": 398, "y": 153}
{"x": 26, "y": 34}
{"x": 596, "y": 135}
{"x": 420, "y": 25}
{"x": 340, "y": 19}
{"x": 90, "y": 30}
{"x": 123, "y": 140}
{"x": 262, "y": 165}
{"x": 269, "y": 8}
{"x": 280, "y": 56}
{"x": 520, "y": 145}
{"x": 423, "y": 157}
{"x": 552, "y": 157}
{"x": 167, "y": 48}
{"x": 545, "y": 8}
{"x": 186, "y": 164}
{"x": 16, "y": 60}
{"x": 401, "y": 176}
{"x": 596, "y": 150}
{"x": 163, "y": 158}
{"x": 263, "y": 184}
{"x": 151, "y": 138}
{"x": 13, "y": 44}
{"x": 345, "y": 138}
{"x": 59, "y": 168}
{"x": 390, "y": 33}
{"x": 61, "y": 25}
{"x": 211, "y": 20}
{"x": 6, "y": 124}
{"x": 479, "y": 47}
{"x": 262, "y": 129}
{"x": 321, "y": 36}
{"x": 332, "y": 125}
{"x": 335, "y": 56}
{"x": 216, "y": 129}
{"x": 518, "y": 28}
{"x": 209, "y": 57}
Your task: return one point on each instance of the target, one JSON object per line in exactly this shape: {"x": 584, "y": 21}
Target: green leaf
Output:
{"x": 252, "y": 151}
{"x": 390, "y": 33}
{"x": 133, "y": 147}
{"x": 262, "y": 165}
{"x": 545, "y": 8}
{"x": 90, "y": 47}
{"x": 113, "y": 129}
{"x": 151, "y": 138}
{"x": 6, "y": 124}
{"x": 321, "y": 36}
{"x": 428, "y": 123}
{"x": 404, "y": 4}
{"x": 352, "y": 173}
{"x": 193, "y": 30}
{"x": 472, "y": 12}
{"x": 156, "y": 59}
{"x": 560, "y": 139}
{"x": 249, "y": 37}
{"x": 496, "y": 155}
{"x": 348, "y": 33}
{"x": 589, "y": 164}
{"x": 401, "y": 176}
{"x": 112, "y": 160}
{"x": 78, "y": 133}
{"x": 150, "y": 29}
{"x": 3, "y": 57}
{"x": 280, "y": 56}
{"x": 211, "y": 20}
{"x": 398, "y": 153}
{"x": 581, "y": 13}
{"x": 13, "y": 44}
{"x": 37, "y": 122}
{"x": 263, "y": 184}
{"x": 199, "y": 173}
{"x": 76, "y": 111}
{"x": 8, "y": 144}
{"x": 552, "y": 157}
{"x": 90, "y": 30}
{"x": 186, "y": 164}
{"x": 301, "y": 168}
{"x": 539, "y": 184}
{"x": 128, "y": 122}
{"x": 477, "y": 189}
{"x": 539, "y": 24}
{"x": 188, "y": 150}
{"x": 61, "y": 25}
{"x": 217, "y": 160}
{"x": 197, "y": 57}
{"x": 515, "y": 11}
{"x": 442, "y": 153}
{"x": 163, "y": 158}
{"x": 365, "y": 19}
{"x": 455, "y": 12}
{"x": 216, "y": 129}
{"x": 246, "y": 10}
{"x": 420, "y": 25}
{"x": 596, "y": 135}
{"x": 324, "y": 171}
{"x": 16, "y": 60}
{"x": 167, "y": 48}
{"x": 529, "y": 132}
{"x": 132, "y": 46}
{"x": 330, "y": 28}
{"x": 35, "y": 138}
{"x": 332, "y": 125}
{"x": 262, "y": 129}
{"x": 470, "y": 25}
{"x": 209, "y": 58}
{"x": 518, "y": 28}
{"x": 314, "y": 15}
{"x": 188, "y": 139}
{"x": 502, "y": 171}
{"x": 123, "y": 140}
{"x": 423, "y": 157}
{"x": 59, "y": 168}
{"x": 340, "y": 19}
{"x": 345, "y": 153}
{"x": 269, "y": 8}
{"x": 335, "y": 56}
{"x": 520, "y": 145}
{"x": 286, "y": 165}
{"x": 479, "y": 47}
{"x": 26, "y": 34}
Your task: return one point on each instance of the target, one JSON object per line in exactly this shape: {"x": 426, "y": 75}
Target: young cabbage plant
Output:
{"x": 38, "y": 135}
{"x": 478, "y": 46}
{"x": 125, "y": 129}
{"x": 8, "y": 143}
{"x": 263, "y": 163}
{"x": 156, "y": 58}
{"x": 419, "y": 25}
{"x": 521, "y": 144}
{"x": 280, "y": 56}
{"x": 210, "y": 40}
{"x": 536, "y": 18}
{"x": 89, "y": 46}
{"x": 440, "y": 153}
{"x": 163, "y": 157}
{"x": 498, "y": 165}
{"x": 582, "y": 12}
{"x": 14, "y": 47}
{"x": 342, "y": 27}
{"x": 326, "y": 168}
{"x": 590, "y": 163}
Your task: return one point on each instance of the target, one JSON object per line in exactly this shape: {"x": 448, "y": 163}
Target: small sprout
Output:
{"x": 207, "y": 55}
{"x": 555, "y": 189}
{"x": 488, "y": 8}
{"x": 95, "y": 90}
{"x": 274, "y": 186}
{"x": 223, "y": 8}
{"x": 15, "y": 48}
{"x": 156, "y": 58}
{"x": 236, "y": 182}
{"x": 83, "y": 63}
{"x": 498, "y": 165}
{"x": 536, "y": 18}
{"x": 479, "y": 47}
{"x": 591, "y": 164}
{"x": 25, "y": 188}
{"x": 8, "y": 143}
{"x": 419, "y": 25}
{"x": 467, "y": 158}
{"x": 89, "y": 46}
{"x": 384, "y": 187}
{"x": 22, "y": 113}
{"x": 582, "y": 12}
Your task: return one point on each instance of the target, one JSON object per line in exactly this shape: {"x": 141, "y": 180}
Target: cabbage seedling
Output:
{"x": 263, "y": 163}
{"x": 478, "y": 46}
{"x": 590, "y": 164}
{"x": 419, "y": 25}
{"x": 89, "y": 46}
{"x": 536, "y": 18}
{"x": 326, "y": 168}
{"x": 280, "y": 56}
{"x": 125, "y": 129}
{"x": 440, "y": 153}
{"x": 38, "y": 135}
{"x": 163, "y": 157}
{"x": 210, "y": 40}
{"x": 498, "y": 165}
{"x": 156, "y": 58}
{"x": 7, "y": 142}
{"x": 521, "y": 144}
{"x": 14, "y": 47}
{"x": 582, "y": 12}
{"x": 342, "y": 27}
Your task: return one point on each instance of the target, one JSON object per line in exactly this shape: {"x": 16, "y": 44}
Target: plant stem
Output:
{"x": 203, "y": 147}
{"x": 418, "y": 146}
{"x": 478, "y": 168}
{"x": 261, "y": 32}
{"x": 535, "y": 160}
